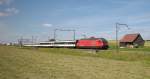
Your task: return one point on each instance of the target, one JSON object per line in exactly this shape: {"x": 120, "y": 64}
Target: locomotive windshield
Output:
{"x": 104, "y": 40}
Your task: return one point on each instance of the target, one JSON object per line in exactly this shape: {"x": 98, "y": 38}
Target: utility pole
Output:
{"x": 117, "y": 30}
{"x": 20, "y": 41}
{"x": 74, "y": 34}
{"x": 32, "y": 38}
{"x": 117, "y": 44}
{"x": 55, "y": 33}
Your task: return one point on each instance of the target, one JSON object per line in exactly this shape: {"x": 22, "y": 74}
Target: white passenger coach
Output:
{"x": 53, "y": 44}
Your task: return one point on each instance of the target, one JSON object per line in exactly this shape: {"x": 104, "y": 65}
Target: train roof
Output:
{"x": 92, "y": 38}
{"x": 58, "y": 41}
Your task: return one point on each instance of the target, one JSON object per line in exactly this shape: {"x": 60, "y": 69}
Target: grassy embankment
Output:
{"x": 58, "y": 63}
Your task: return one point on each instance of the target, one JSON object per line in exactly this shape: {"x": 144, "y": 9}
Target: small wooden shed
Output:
{"x": 132, "y": 40}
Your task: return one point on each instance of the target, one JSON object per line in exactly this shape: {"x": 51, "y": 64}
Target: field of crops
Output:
{"x": 62, "y": 63}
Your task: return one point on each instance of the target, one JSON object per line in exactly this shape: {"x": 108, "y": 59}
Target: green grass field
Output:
{"x": 62, "y": 63}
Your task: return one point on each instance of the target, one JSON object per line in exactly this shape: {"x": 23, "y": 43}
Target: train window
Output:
{"x": 71, "y": 42}
{"x": 59, "y": 43}
{"x": 64, "y": 42}
{"x": 104, "y": 40}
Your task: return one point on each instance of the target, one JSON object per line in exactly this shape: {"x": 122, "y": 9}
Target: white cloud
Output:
{"x": 5, "y": 2}
{"x": 12, "y": 10}
{"x": 47, "y": 25}
{"x": 9, "y": 12}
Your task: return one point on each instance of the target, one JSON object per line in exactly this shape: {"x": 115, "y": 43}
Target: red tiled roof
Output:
{"x": 129, "y": 37}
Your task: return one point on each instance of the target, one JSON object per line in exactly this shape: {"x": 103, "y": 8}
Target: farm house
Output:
{"x": 132, "y": 40}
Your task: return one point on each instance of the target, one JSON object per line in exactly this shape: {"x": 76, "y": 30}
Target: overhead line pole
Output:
{"x": 117, "y": 30}
{"x": 55, "y": 33}
{"x": 117, "y": 47}
{"x": 74, "y": 34}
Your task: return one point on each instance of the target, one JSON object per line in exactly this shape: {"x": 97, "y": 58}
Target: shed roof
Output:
{"x": 129, "y": 37}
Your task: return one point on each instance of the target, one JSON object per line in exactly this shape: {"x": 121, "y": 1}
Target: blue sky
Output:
{"x": 97, "y": 18}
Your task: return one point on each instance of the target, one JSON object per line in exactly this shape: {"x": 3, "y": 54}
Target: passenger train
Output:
{"x": 88, "y": 43}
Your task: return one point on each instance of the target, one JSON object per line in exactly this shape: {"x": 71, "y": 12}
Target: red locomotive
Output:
{"x": 92, "y": 43}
